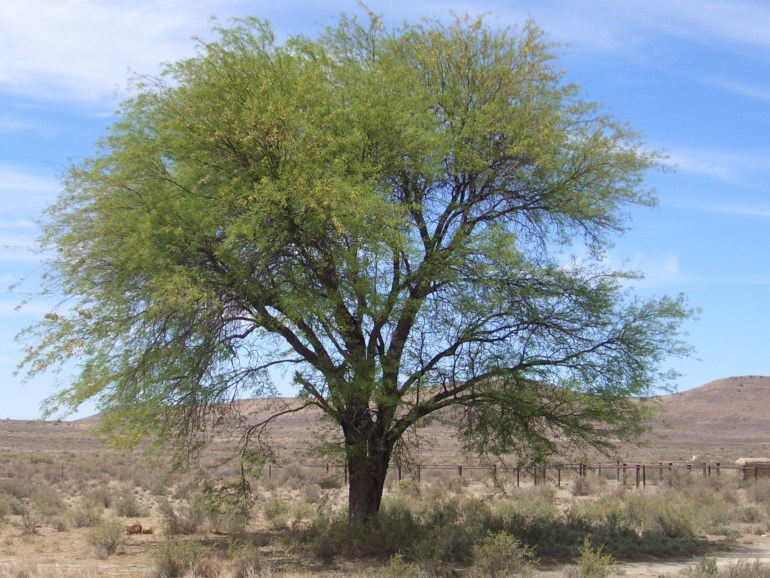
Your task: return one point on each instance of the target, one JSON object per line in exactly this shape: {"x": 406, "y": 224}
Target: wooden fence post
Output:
{"x": 460, "y": 471}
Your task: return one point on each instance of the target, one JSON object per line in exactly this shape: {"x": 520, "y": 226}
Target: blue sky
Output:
{"x": 692, "y": 75}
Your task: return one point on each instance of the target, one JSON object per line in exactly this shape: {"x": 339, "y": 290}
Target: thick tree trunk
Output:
{"x": 367, "y": 468}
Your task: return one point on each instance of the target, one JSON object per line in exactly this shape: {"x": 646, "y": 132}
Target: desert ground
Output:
{"x": 67, "y": 499}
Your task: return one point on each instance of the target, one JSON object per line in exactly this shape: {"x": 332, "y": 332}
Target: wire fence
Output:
{"x": 638, "y": 474}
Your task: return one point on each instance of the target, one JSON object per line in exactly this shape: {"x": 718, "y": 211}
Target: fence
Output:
{"x": 637, "y": 473}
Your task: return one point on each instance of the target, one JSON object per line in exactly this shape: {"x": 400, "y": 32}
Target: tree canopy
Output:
{"x": 387, "y": 215}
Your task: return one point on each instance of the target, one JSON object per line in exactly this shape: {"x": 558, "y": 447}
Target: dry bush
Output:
{"x": 85, "y": 517}
{"x": 589, "y": 484}
{"x": 107, "y": 537}
{"x": 127, "y": 506}
{"x": 181, "y": 520}
{"x": 174, "y": 559}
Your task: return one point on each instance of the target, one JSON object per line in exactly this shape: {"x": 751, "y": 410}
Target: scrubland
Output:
{"x": 66, "y": 514}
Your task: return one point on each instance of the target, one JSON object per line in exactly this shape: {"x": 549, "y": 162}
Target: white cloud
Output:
{"x": 83, "y": 49}
{"x": 730, "y": 166}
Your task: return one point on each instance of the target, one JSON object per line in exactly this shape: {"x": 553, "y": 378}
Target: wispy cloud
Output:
{"x": 751, "y": 90}
{"x": 23, "y": 195}
{"x": 730, "y": 166}
{"x": 83, "y": 48}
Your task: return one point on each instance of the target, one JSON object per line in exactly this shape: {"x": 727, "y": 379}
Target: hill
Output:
{"x": 719, "y": 421}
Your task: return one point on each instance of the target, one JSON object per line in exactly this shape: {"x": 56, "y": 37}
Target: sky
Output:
{"x": 693, "y": 76}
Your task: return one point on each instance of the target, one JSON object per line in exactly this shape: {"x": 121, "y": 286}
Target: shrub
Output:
{"x": 85, "y": 517}
{"x": 107, "y": 537}
{"x": 99, "y": 497}
{"x": 588, "y": 484}
{"x": 207, "y": 567}
{"x": 593, "y": 562}
{"x": 500, "y": 554}
{"x": 706, "y": 567}
{"x": 173, "y": 559}
{"x": 183, "y": 520}
{"x": 398, "y": 568}
{"x": 127, "y": 506}
{"x": 30, "y": 520}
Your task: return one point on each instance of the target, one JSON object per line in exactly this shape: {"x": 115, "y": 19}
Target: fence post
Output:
{"x": 644, "y": 476}
{"x": 625, "y": 474}
{"x": 269, "y": 471}
{"x": 399, "y": 472}
{"x": 558, "y": 477}
{"x": 717, "y": 468}
{"x": 704, "y": 469}
{"x": 637, "y": 475}
{"x": 419, "y": 473}
{"x": 518, "y": 478}
{"x": 617, "y": 472}
{"x": 460, "y": 471}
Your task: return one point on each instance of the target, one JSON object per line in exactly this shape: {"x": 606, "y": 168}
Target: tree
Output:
{"x": 388, "y": 214}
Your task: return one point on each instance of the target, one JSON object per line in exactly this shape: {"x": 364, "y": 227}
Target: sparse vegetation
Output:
{"x": 107, "y": 537}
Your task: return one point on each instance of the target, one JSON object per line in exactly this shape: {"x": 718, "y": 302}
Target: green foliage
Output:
{"x": 593, "y": 561}
{"x": 384, "y": 211}
{"x": 501, "y": 555}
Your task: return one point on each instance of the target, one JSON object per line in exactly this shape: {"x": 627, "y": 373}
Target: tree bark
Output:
{"x": 367, "y": 467}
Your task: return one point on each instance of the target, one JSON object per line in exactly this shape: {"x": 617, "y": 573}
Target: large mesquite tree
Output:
{"x": 388, "y": 215}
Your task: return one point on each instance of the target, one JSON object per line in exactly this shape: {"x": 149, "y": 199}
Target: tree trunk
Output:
{"x": 367, "y": 468}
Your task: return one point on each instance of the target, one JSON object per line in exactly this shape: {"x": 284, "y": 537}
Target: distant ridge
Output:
{"x": 721, "y": 403}
{"x": 722, "y": 420}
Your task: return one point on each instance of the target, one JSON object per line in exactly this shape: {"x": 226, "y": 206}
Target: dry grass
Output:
{"x": 63, "y": 494}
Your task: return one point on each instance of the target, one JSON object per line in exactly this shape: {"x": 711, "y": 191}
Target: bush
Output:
{"x": 173, "y": 559}
{"x": 184, "y": 520}
{"x": 398, "y": 568}
{"x": 127, "y": 506}
{"x": 500, "y": 554}
{"x": 107, "y": 537}
{"x": 593, "y": 562}
{"x": 85, "y": 517}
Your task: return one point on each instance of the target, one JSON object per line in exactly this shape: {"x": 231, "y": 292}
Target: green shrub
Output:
{"x": 398, "y": 567}
{"x": 500, "y": 554}
{"x": 593, "y": 562}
